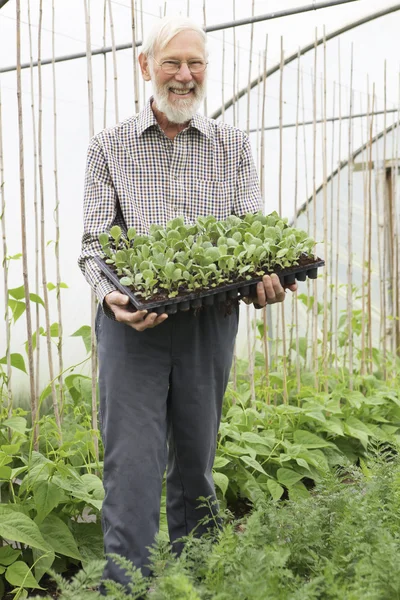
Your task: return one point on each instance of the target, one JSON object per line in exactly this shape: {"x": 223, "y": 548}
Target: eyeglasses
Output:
{"x": 171, "y": 67}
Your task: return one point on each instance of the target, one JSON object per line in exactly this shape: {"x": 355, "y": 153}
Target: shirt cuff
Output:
{"x": 104, "y": 287}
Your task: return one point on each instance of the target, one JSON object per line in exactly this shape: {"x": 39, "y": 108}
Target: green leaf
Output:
{"x": 59, "y": 537}
{"x": 46, "y": 496}
{"x": 220, "y": 462}
{"x": 17, "y": 308}
{"x": 115, "y": 232}
{"x": 288, "y": 477}
{"x": 85, "y": 333}
{"x": 43, "y": 562}
{"x": 131, "y": 233}
{"x": 275, "y": 489}
{"x": 18, "y": 424}
{"x": 221, "y": 481}
{"x": 36, "y": 298}
{"x": 18, "y": 527}
{"x": 8, "y": 555}
{"x": 5, "y": 473}
{"x": 253, "y": 463}
{"x": 17, "y": 361}
{"x": 310, "y": 440}
{"x": 17, "y": 293}
{"x": 254, "y": 438}
{"x": 20, "y": 575}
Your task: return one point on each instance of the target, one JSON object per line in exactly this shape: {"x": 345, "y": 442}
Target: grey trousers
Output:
{"x": 161, "y": 393}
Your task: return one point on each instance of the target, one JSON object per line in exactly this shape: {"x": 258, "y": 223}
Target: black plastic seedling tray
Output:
{"x": 229, "y": 291}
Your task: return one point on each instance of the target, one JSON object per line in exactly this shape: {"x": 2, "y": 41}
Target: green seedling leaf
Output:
{"x": 131, "y": 233}
{"x": 221, "y": 481}
{"x": 126, "y": 281}
{"x": 17, "y": 361}
{"x": 275, "y": 489}
{"x": 17, "y": 308}
{"x": 310, "y": 440}
{"x": 85, "y": 332}
{"x": 18, "y": 527}
{"x": 115, "y": 232}
{"x": 19, "y": 574}
{"x": 37, "y": 299}
{"x": 59, "y": 537}
{"x": 8, "y": 555}
{"x": 17, "y": 293}
{"x": 288, "y": 477}
{"x": 46, "y": 496}
{"x": 104, "y": 239}
{"x": 253, "y": 463}
{"x": 5, "y": 473}
{"x": 220, "y": 462}
{"x": 18, "y": 424}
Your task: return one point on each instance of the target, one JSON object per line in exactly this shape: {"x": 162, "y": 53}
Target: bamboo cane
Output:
{"x": 392, "y": 222}
{"x": 187, "y": 8}
{"x": 325, "y": 222}
{"x": 315, "y": 292}
{"x": 350, "y": 228}
{"x": 386, "y": 280}
{"x": 397, "y": 255}
{"x": 5, "y": 262}
{"x": 234, "y": 67}
{"x": 43, "y": 231}
{"x": 142, "y": 37}
{"x": 114, "y": 56}
{"x": 258, "y": 110}
{"x": 35, "y": 208}
{"x": 135, "y": 62}
{"x": 284, "y": 349}
{"x": 86, "y": 4}
{"x": 205, "y": 25}
{"x": 379, "y": 233}
{"x": 365, "y": 166}
{"x": 262, "y": 143}
{"x": 223, "y": 77}
{"x": 307, "y": 214}
{"x": 262, "y": 189}
{"x": 295, "y": 317}
{"x": 33, "y": 399}
{"x": 57, "y": 222}
{"x": 250, "y": 67}
{"x": 369, "y": 272}
{"x": 338, "y": 212}
{"x": 331, "y": 318}
{"x": 105, "y": 86}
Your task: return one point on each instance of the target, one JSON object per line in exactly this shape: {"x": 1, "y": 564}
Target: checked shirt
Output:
{"x": 136, "y": 176}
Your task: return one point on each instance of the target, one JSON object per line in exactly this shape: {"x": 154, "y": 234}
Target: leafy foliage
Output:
{"x": 205, "y": 254}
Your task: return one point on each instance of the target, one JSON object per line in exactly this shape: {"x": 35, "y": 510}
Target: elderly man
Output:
{"x": 162, "y": 378}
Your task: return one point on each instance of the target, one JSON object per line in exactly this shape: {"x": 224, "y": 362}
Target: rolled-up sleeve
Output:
{"x": 99, "y": 214}
{"x": 247, "y": 194}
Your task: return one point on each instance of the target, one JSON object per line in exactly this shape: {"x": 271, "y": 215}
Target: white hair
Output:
{"x": 166, "y": 29}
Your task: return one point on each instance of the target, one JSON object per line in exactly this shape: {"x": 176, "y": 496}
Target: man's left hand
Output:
{"x": 270, "y": 291}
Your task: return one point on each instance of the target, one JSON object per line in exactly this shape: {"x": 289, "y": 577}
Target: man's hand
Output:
{"x": 270, "y": 291}
{"x": 119, "y": 304}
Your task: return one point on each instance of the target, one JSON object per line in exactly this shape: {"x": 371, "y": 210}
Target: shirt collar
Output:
{"x": 147, "y": 119}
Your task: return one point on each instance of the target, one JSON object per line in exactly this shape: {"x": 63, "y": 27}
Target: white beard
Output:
{"x": 183, "y": 109}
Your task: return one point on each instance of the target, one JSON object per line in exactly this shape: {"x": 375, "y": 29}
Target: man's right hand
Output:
{"x": 139, "y": 320}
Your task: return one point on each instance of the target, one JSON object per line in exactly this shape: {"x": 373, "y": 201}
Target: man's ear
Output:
{"x": 144, "y": 66}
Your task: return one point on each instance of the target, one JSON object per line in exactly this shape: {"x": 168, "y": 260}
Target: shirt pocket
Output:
{"x": 210, "y": 197}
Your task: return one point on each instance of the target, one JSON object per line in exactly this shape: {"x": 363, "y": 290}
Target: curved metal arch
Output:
{"x": 345, "y": 163}
{"x": 304, "y": 50}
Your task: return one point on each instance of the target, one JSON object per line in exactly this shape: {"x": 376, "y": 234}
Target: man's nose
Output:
{"x": 184, "y": 73}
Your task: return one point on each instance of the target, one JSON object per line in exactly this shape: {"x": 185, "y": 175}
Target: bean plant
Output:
{"x": 205, "y": 254}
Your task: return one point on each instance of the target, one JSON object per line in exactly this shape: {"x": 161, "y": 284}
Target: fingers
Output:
{"x": 270, "y": 290}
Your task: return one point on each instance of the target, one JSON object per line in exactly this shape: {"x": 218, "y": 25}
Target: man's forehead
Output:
{"x": 184, "y": 40}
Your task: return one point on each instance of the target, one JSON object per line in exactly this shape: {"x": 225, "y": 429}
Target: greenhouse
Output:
{"x": 295, "y": 402}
